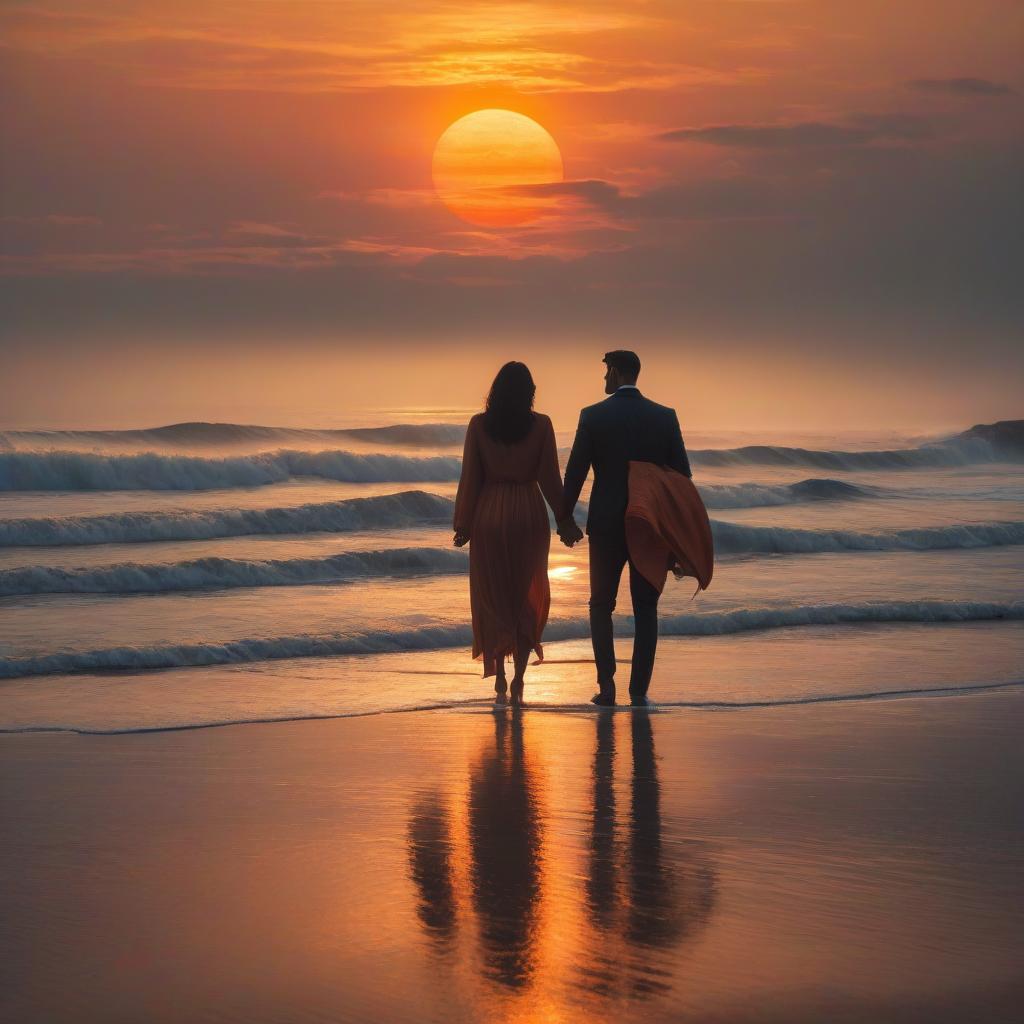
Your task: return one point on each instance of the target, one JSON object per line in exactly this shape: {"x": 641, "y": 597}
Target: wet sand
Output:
{"x": 844, "y": 863}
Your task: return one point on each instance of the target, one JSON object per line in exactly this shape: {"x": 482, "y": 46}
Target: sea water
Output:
{"x": 201, "y": 574}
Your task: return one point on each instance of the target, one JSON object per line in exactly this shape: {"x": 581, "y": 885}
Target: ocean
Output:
{"x": 203, "y": 574}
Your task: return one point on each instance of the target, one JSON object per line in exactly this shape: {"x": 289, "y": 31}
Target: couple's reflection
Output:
{"x": 430, "y": 863}
{"x": 504, "y": 850}
{"x": 643, "y": 896}
{"x": 642, "y": 899}
{"x": 504, "y": 838}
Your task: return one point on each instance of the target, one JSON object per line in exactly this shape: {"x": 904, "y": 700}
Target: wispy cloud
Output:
{"x": 961, "y": 86}
{"x": 62, "y": 220}
{"x": 858, "y": 130}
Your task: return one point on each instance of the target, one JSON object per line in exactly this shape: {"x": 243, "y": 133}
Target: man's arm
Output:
{"x": 677, "y": 458}
{"x": 577, "y": 468}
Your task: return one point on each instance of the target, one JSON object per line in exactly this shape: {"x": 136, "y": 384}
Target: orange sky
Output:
{"x": 808, "y": 195}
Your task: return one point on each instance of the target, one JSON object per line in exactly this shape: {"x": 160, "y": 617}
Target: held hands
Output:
{"x": 568, "y": 532}
{"x": 461, "y": 539}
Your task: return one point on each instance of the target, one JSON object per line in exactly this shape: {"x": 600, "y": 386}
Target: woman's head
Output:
{"x": 509, "y": 412}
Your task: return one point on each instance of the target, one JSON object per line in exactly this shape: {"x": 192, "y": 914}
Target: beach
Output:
{"x": 846, "y": 861}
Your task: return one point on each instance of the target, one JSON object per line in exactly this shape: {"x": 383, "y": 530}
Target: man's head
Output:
{"x": 623, "y": 367}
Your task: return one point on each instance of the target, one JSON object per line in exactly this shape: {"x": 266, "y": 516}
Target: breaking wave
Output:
{"x": 754, "y": 495}
{"x": 385, "y": 511}
{"x": 993, "y": 442}
{"x": 419, "y": 508}
{"x": 89, "y": 471}
{"x": 735, "y": 538}
{"x": 218, "y": 434}
{"x": 225, "y": 573}
{"x": 258, "y": 649}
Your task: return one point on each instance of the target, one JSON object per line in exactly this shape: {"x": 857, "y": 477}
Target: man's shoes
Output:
{"x": 604, "y": 699}
{"x": 638, "y": 700}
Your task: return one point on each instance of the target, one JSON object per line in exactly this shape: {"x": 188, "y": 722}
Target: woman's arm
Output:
{"x": 470, "y": 483}
{"x": 548, "y": 475}
{"x": 550, "y": 481}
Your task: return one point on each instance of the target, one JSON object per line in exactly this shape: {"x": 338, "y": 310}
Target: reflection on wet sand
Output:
{"x": 504, "y": 838}
{"x": 644, "y": 895}
{"x": 430, "y": 861}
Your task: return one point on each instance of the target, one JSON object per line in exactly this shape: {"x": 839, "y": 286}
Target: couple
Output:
{"x": 639, "y": 514}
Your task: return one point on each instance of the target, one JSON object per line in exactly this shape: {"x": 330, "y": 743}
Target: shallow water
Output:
{"x": 283, "y": 592}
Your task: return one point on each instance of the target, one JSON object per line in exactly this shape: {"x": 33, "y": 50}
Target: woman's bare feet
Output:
{"x": 500, "y": 685}
{"x": 516, "y": 693}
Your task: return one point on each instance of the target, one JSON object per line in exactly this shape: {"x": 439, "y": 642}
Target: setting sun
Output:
{"x": 485, "y": 157}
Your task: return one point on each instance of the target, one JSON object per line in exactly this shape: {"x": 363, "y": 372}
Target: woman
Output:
{"x": 510, "y": 449}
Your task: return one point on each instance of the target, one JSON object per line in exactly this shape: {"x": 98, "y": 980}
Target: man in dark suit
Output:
{"x": 623, "y": 428}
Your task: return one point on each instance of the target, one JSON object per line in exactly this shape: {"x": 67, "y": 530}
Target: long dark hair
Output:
{"x": 508, "y": 415}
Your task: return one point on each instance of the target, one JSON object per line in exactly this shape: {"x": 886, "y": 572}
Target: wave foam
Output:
{"x": 226, "y": 573}
{"x": 736, "y": 538}
{"x": 258, "y": 649}
{"x": 995, "y": 442}
{"x": 381, "y": 512}
{"x": 89, "y": 471}
{"x": 200, "y": 434}
{"x": 752, "y": 495}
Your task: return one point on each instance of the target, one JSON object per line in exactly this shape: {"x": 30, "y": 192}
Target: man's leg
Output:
{"x": 645, "y": 637}
{"x": 607, "y": 558}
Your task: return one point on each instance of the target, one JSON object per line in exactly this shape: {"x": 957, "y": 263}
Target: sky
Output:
{"x": 800, "y": 213}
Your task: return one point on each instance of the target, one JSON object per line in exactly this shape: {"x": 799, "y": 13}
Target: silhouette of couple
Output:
{"x": 643, "y": 513}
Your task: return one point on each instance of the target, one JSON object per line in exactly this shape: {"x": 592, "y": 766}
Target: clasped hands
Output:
{"x": 568, "y": 532}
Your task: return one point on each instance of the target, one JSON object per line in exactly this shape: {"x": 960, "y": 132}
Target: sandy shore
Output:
{"x": 846, "y": 863}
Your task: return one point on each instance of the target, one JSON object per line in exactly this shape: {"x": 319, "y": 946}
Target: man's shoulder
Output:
{"x": 664, "y": 410}
{"x": 597, "y": 409}
{"x": 611, "y": 408}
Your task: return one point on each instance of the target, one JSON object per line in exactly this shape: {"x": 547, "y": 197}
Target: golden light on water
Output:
{"x": 483, "y": 158}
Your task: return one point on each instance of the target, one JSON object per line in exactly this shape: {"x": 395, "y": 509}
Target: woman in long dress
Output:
{"x": 499, "y": 511}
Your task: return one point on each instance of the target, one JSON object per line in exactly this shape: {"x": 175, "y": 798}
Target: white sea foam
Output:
{"x": 223, "y": 573}
{"x": 753, "y": 495}
{"x": 199, "y": 434}
{"x": 148, "y": 471}
{"x": 736, "y": 538}
{"x": 1000, "y": 442}
{"x": 258, "y": 649}
{"x": 381, "y": 512}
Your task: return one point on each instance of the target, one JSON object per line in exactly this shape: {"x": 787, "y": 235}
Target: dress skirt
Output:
{"x": 508, "y": 571}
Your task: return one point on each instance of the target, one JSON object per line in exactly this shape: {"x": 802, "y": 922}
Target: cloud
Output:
{"x": 858, "y": 130}
{"x": 62, "y": 220}
{"x": 698, "y": 200}
{"x": 961, "y": 86}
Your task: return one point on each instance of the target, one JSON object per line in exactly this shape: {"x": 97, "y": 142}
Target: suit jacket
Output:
{"x": 624, "y": 428}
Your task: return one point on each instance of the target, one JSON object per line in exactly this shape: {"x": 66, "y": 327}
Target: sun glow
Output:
{"x": 484, "y": 162}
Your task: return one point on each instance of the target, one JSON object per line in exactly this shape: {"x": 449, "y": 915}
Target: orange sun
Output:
{"x": 483, "y": 158}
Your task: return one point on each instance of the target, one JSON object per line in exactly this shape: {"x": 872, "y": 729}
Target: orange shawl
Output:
{"x": 667, "y": 524}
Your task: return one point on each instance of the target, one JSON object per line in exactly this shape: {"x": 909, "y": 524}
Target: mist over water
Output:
{"x": 177, "y": 554}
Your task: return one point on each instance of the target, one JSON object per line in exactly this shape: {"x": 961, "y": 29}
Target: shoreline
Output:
{"x": 486, "y": 705}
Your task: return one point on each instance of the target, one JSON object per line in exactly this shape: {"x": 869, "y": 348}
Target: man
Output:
{"x": 623, "y": 428}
